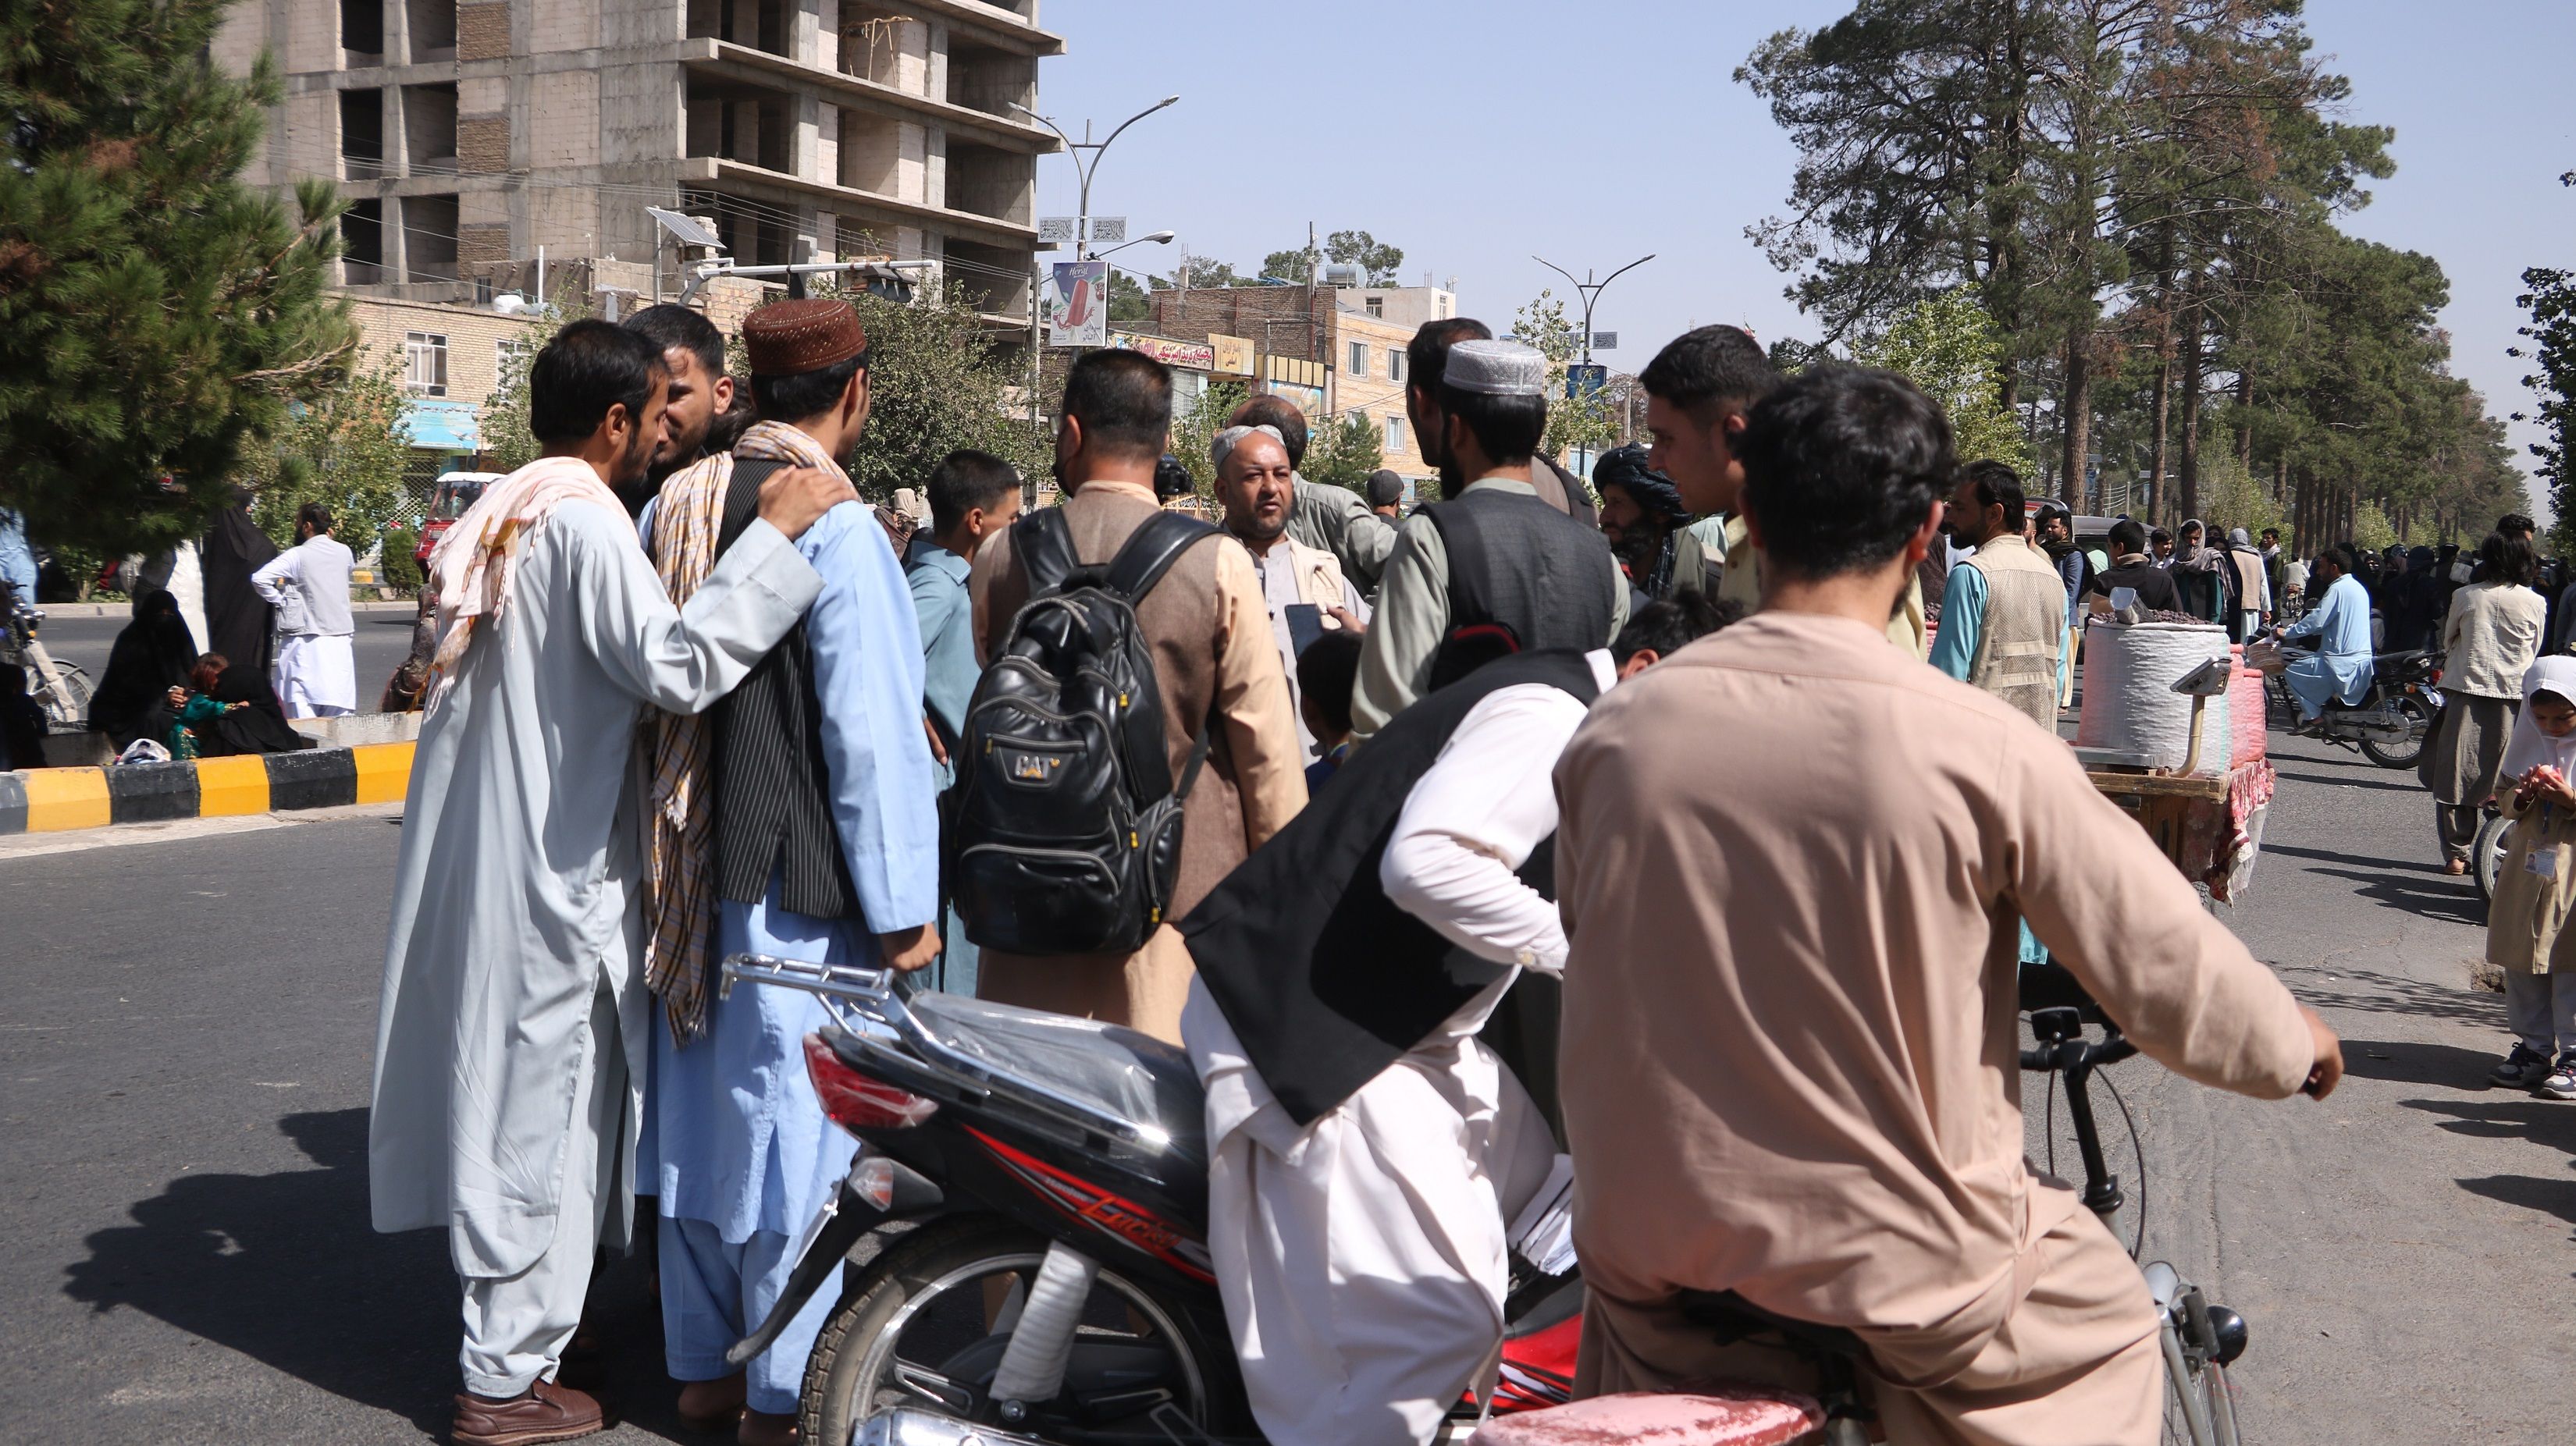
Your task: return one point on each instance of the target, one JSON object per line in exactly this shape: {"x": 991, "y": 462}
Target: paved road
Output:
{"x": 183, "y": 1136}
{"x": 382, "y": 641}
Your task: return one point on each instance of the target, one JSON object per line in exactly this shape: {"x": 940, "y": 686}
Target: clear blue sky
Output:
{"x": 1473, "y": 133}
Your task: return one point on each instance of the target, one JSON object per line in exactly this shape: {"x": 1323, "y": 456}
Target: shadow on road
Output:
{"x": 285, "y": 1269}
{"x": 2507, "y": 1114}
{"x": 2365, "y": 992}
{"x": 2420, "y": 889}
{"x": 2333, "y": 781}
{"x": 2407, "y": 1061}
{"x": 2531, "y": 1192}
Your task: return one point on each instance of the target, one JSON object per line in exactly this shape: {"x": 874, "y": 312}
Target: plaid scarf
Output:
{"x": 679, "y": 880}
{"x": 471, "y": 568}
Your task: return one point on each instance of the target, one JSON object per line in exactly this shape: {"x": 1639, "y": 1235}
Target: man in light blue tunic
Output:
{"x": 2340, "y": 668}
{"x": 824, "y": 847}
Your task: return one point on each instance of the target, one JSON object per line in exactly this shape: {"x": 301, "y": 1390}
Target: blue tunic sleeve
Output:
{"x": 868, "y": 675}
{"x": 1963, "y": 616}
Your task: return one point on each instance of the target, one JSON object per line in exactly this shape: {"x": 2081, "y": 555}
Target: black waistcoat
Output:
{"x": 772, "y": 796}
{"x": 1520, "y": 565}
{"x": 1325, "y": 981}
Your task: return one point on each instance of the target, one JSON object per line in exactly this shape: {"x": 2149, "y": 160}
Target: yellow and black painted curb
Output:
{"x": 47, "y": 800}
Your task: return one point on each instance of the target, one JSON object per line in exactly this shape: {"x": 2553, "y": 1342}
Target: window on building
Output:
{"x": 425, "y": 363}
{"x": 1359, "y": 358}
{"x": 1376, "y": 305}
{"x": 1395, "y": 364}
{"x": 1394, "y": 434}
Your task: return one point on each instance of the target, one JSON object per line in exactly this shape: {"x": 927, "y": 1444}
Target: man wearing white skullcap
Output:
{"x": 1494, "y": 570}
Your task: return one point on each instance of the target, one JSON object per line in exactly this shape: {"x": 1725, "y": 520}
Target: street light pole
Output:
{"x": 1590, "y": 290}
{"x": 1084, "y": 170}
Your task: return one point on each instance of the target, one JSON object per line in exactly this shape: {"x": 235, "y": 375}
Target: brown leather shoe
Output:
{"x": 543, "y": 1412}
{"x": 760, "y": 1428}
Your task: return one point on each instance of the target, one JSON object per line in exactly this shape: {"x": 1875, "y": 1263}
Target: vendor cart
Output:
{"x": 2210, "y": 825}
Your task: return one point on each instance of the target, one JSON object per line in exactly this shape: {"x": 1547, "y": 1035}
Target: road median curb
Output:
{"x": 51, "y": 800}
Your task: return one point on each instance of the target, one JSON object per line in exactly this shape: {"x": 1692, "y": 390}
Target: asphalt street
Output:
{"x": 382, "y": 641}
{"x": 183, "y": 1134}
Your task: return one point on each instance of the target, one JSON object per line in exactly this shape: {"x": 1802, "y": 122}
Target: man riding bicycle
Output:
{"x": 1793, "y": 865}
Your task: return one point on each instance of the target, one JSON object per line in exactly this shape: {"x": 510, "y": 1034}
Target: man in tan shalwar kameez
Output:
{"x": 1792, "y": 863}
{"x": 1217, "y": 667}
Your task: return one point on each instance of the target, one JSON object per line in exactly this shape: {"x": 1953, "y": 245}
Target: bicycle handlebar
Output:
{"x": 2059, "y": 1009}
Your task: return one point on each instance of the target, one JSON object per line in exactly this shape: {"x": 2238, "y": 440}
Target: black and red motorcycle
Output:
{"x": 1026, "y": 1234}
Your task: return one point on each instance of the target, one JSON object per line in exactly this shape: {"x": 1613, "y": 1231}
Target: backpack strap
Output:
{"x": 1043, "y": 542}
{"x": 1150, "y": 551}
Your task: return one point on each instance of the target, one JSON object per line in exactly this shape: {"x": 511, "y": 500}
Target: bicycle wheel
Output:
{"x": 2204, "y": 1386}
{"x": 2049, "y": 1138}
{"x": 2486, "y": 854}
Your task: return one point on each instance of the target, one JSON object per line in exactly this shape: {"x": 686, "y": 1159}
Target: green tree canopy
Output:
{"x": 1359, "y": 248}
{"x": 1342, "y": 452}
{"x": 1950, "y": 347}
{"x": 159, "y": 315}
{"x": 2551, "y": 301}
{"x": 345, "y": 450}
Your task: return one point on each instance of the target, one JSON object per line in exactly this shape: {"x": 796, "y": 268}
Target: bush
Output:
{"x": 400, "y": 570}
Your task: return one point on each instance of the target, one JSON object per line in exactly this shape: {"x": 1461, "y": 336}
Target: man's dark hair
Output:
{"x": 965, "y": 480}
{"x": 2506, "y": 558}
{"x": 590, "y": 366}
{"x": 1279, "y": 412}
{"x": 2127, "y": 537}
{"x": 2343, "y": 557}
{"x": 1385, "y": 488}
{"x": 795, "y": 397}
{"x": 2514, "y": 524}
{"x": 1841, "y": 465}
{"x": 2272, "y": 532}
{"x": 2053, "y": 512}
{"x": 2159, "y": 535}
{"x": 1123, "y": 399}
{"x": 1710, "y": 371}
{"x": 1426, "y": 357}
{"x": 315, "y": 516}
{"x": 1327, "y": 674}
{"x": 673, "y": 327}
{"x": 1507, "y": 429}
{"x": 1667, "y": 626}
{"x": 1995, "y": 483}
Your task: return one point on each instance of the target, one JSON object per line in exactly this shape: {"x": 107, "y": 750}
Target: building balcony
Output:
{"x": 864, "y": 205}
{"x": 752, "y": 66}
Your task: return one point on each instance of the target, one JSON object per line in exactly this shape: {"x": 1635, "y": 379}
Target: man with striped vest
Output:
{"x": 2003, "y": 612}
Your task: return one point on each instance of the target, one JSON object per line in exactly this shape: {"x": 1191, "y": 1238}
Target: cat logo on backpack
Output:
{"x": 1068, "y": 821}
{"x": 1031, "y": 767}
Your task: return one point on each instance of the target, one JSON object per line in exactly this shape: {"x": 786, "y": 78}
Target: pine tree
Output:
{"x": 156, "y": 315}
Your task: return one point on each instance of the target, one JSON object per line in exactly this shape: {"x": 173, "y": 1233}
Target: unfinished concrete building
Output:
{"x": 475, "y": 135}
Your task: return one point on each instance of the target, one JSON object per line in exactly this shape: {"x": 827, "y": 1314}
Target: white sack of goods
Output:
{"x": 2130, "y": 706}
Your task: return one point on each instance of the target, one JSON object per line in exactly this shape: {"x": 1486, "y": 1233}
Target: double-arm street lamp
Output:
{"x": 1590, "y": 291}
{"x": 1084, "y": 169}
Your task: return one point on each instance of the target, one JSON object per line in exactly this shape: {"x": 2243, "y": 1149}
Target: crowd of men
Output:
{"x": 1439, "y": 778}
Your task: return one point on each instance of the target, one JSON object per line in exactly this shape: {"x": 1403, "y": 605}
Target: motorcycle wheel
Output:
{"x": 914, "y": 1328}
{"x": 2420, "y": 721}
{"x": 2486, "y": 854}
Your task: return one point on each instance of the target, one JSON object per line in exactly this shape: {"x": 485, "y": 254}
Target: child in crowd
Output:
{"x": 194, "y": 707}
{"x": 1327, "y": 673}
{"x": 2526, "y": 925}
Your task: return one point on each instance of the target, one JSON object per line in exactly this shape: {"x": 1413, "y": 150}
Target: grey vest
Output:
{"x": 771, "y": 792}
{"x": 1517, "y": 563}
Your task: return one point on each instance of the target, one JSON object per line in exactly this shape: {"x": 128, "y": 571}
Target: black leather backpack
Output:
{"x": 1068, "y": 833}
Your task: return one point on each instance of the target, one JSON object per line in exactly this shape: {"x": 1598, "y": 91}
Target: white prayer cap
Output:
{"x": 1226, "y": 441}
{"x": 1496, "y": 368}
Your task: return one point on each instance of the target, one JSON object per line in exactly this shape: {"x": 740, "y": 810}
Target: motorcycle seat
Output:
{"x": 1115, "y": 1070}
{"x": 1720, "y": 1416}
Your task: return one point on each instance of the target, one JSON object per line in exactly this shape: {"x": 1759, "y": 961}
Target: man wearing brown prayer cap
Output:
{"x": 794, "y": 819}
{"x": 1789, "y": 1050}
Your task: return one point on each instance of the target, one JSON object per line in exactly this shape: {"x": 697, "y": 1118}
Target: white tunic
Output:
{"x": 521, "y": 855}
{"x": 1363, "y": 1259}
{"x": 316, "y": 673}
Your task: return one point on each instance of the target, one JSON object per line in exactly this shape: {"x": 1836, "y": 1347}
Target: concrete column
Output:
{"x": 397, "y": 254}
{"x": 397, "y": 32}
{"x": 804, "y": 149}
{"x": 804, "y": 33}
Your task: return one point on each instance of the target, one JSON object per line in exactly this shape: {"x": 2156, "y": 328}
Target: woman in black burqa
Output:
{"x": 152, "y": 655}
{"x": 238, "y": 622}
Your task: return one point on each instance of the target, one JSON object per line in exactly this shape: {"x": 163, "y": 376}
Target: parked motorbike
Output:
{"x": 1036, "y": 1191}
{"x": 2392, "y": 722}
